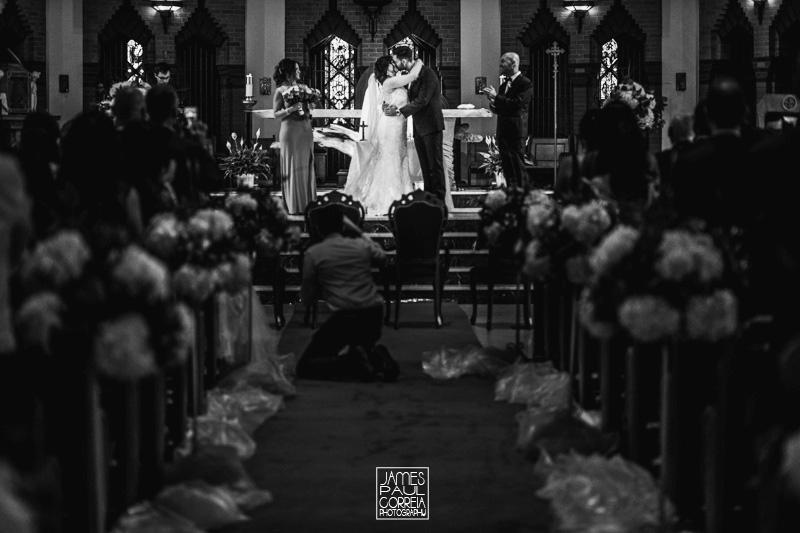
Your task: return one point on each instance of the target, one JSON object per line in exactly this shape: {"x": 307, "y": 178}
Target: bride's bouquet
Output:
{"x": 302, "y": 94}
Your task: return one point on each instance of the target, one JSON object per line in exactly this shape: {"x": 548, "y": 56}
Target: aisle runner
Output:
{"x": 319, "y": 455}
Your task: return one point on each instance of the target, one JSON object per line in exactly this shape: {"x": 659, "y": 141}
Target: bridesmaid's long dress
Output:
{"x": 298, "y": 183}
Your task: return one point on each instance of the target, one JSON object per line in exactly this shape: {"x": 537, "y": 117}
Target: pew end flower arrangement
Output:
{"x": 119, "y": 310}
{"x": 262, "y": 223}
{"x": 245, "y": 164}
{"x": 502, "y": 220}
{"x": 203, "y": 251}
{"x": 656, "y": 284}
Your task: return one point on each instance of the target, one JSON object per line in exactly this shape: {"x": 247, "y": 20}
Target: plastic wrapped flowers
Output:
{"x": 595, "y": 494}
{"x": 118, "y": 309}
{"x": 204, "y": 252}
{"x": 655, "y": 285}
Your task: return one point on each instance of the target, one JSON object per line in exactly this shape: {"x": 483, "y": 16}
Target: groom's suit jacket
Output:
{"x": 425, "y": 103}
{"x": 511, "y": 106}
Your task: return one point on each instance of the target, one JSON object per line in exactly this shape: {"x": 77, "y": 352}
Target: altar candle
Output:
{"x": 248, "y": 86}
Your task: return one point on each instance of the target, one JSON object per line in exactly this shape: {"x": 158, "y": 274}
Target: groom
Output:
{"x": 425, "y": 104}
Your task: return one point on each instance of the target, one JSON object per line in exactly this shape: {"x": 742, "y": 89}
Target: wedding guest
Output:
{"x": 569, "y": 182}
{"x": 510, "y": 103}
{"x": 296, "y": 137}
{"x": 128, "y": 107}
{"x": 149, "y": 167}
{"x": 709, "y": 178}
{"x": 681, "y": 136}
{"x": 162, "y": 105}
{"x": 103, "y": 205}
{"x": 14, "y": 226}
{"x": 338, "y": 270}
{"x": 40, "y": 156}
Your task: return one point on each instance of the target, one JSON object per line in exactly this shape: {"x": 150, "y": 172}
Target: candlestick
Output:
{"x": 248, "y": 86}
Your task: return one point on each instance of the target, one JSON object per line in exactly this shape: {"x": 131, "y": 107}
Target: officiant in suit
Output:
{"x": 510, "y": 103}
{"x": 425, "y": 104}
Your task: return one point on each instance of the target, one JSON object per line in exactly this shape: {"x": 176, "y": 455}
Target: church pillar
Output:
{"x": 265, "y": 46}
{"x": 680, "y": 53}
{"x": 64, "y": 22}
{"x": 480, "y": 55}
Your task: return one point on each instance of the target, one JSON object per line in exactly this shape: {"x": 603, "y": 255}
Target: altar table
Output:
{"x": 450, "y": 116}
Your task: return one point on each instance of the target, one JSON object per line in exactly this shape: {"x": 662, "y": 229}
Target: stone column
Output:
{"x": 64, "y": 21}
{"x": 680, "y": 52}
{"x": 265, "y": 46}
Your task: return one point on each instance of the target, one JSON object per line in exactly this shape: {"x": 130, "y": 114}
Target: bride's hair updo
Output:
{"x": 382, "y": 68}
{"x": 285, "y": 71}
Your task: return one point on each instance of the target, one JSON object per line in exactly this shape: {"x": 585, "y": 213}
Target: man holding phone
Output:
{"x": 338, "y": 270}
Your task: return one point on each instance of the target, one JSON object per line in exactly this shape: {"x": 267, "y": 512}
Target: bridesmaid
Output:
{"x": 298, "y": 183}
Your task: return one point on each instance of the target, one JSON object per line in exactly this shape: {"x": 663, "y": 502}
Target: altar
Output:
{"x": 450, "y": 116}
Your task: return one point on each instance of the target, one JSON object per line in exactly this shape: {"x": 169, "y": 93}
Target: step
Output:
{"x": 459, "y": 220}
{"x": 458, "y": 257}
{"x": 503, "y": 293}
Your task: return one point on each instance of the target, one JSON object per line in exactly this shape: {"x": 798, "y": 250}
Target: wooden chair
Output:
{"x": 417, "y": 221}
{"x": 350, "y": 208}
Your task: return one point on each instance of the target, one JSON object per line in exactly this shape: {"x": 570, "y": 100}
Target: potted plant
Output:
{"x": 491, "y": 161}
{"x": 245, "y": 164}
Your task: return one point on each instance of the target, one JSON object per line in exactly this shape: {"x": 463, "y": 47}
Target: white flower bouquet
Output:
{"x": 648, "y": 108}
{"x": 654, "y": 285}
{"x": 119, "y": 309}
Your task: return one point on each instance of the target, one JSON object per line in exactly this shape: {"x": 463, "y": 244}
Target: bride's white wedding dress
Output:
{"x": 384, "y": 176}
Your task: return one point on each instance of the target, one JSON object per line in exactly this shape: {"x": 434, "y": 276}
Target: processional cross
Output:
{"x": 555, "y": 51}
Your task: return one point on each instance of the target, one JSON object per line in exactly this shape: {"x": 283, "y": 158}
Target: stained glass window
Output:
{"x": 609, "y": 76}
{"x": 134, "y": 69}
{"x": 339, "y": 73}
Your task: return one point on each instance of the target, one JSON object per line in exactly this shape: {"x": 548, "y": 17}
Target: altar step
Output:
{"x": 460, "y": 237}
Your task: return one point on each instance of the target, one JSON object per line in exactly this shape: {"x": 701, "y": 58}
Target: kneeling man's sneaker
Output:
{"x": 357, "y": 364}
{"x": 384, "y": 363}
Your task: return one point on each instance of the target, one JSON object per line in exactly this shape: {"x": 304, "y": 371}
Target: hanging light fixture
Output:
{"x": 579, "y": 8}
{"x": 760, "y": 5}
{"x": 373, "y": 9}
{"x": 165, "y": 9}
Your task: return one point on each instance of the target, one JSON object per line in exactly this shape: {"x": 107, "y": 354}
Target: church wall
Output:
{"x": 34, "y": 50}
{"x": 711, "y": 11}
{"x": 515, "y": 15}
{"x": 442, "y": 15}
{"x": 229, "y": 14}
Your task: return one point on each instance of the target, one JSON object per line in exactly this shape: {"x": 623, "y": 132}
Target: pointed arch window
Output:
{"x": 339, "y": 73}
{"x": 135, "y": 62}
{"x": 609, "y": 73}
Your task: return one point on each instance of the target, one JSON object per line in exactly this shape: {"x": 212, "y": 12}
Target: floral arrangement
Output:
{"x": 649, "y": 109}
{"x": 108, "y": 103}
{"x": 262, "y": 224}
{"x": 658, "y": 284}
{"x": 502, "y": 219}
{"x": 204, "y": 252}
{"x": 302, "y": 94}
{"x": 560, "y": 238}
{"x": 245, "y": 160}
{"x": 118, "y": 309}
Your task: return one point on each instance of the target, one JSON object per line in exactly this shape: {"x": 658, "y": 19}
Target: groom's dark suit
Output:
{"x": 511, "y": 106}
{"x": 425, "y": 104}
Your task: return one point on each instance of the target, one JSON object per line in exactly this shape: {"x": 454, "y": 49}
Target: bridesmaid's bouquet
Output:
{"x": 302, "y": 94}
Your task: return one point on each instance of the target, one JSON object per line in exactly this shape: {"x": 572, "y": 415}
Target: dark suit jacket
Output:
{"x": 709, "y": 181}
{"x": 512, "y": 108}
{"x": 425, "y": 103}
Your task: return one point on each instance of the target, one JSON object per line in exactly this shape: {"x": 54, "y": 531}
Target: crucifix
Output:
{"x": 362, "y": 126}
{"x": 555, "y": 51}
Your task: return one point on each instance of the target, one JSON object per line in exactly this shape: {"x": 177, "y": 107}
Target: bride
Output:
{"x": 385, "y": 175}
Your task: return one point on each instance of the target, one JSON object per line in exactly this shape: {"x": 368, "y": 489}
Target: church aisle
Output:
{"x": 318, "y": 456}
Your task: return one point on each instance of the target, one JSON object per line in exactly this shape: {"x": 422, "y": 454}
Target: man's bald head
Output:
{"x": 509, "y": 64}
